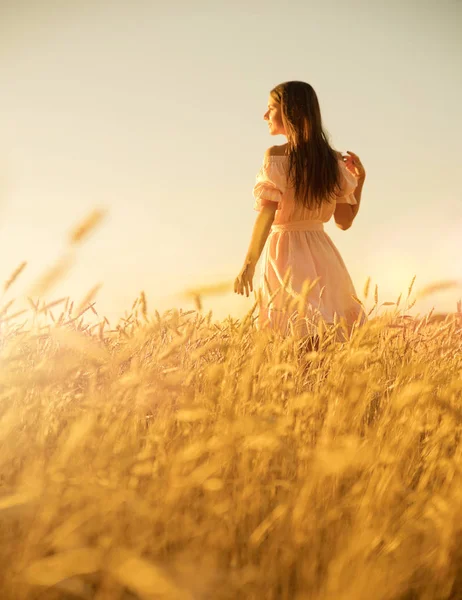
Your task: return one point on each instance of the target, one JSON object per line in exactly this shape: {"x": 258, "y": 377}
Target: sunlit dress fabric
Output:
{"x": 297, "y": 241}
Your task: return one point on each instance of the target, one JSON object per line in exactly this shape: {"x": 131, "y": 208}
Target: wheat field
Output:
{"x": 174, "y": 457}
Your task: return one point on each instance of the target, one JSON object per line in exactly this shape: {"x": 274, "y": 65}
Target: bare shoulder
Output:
{"x": 282, "y": 151}
{"x": 276, "y": 151}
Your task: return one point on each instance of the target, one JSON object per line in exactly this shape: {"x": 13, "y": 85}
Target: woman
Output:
{"x": 300, "y": 185}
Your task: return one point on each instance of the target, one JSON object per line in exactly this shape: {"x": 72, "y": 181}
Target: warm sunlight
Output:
{"x": 208, "y": 212}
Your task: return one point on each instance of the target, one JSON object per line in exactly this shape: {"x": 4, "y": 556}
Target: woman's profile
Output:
{"x": 300, "y": 186}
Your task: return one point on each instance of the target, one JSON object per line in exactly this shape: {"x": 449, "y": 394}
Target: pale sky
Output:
{"x": 154, "y": 111}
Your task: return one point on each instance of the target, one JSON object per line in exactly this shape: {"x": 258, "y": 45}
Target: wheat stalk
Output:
{"x": 83, "y": 229}
{"x": 14, "y": 276}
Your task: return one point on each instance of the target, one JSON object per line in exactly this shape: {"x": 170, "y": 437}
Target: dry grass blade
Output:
{"x": 13, "y": 316}
{"x": 88, "y": 298}
{"x": 307, "y": 286}
{"x": 267, "y": 524}
{"x": 178, "y": 343}
{"x": 53, "y": 569}
{"x": 47, "y": 307}
{"x": 14, "y": 276}
{"x": 82, "y": 312}
{"x": 411, "y": 286}
{"x": 209, "y": 290}
{"x": 197, "y": 293}
{"x": 16, "y": 499}
{"x": 52, "y": 276}
{"x": 80, "y": 343}
{"x": 83, "y": 230}
{"x": 438, "y": 286}
{"x": 144, "y": 578}
{"x": 197, "y": 302}
{"x": 366, "y": 288}
{"x": 144, "y": 305}
{"x": 5, "y": 308}
{"x": 190, "y": 415}
{"x": 357, "y": 300}
{"x": 34, "y": 306}
{"x": 411, "y": 304}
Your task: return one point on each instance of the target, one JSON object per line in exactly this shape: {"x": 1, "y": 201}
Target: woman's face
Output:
{"x": 274, "y": 118}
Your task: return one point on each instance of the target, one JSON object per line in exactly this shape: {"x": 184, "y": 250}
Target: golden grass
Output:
{"x": 16, "y": 273}
{"x": 438, "y": 287}
{"x": 175, "y": 457}
{"x": 87, "y": 226}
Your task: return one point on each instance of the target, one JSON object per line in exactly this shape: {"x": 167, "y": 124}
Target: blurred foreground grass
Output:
{"x": 178, "y": 458}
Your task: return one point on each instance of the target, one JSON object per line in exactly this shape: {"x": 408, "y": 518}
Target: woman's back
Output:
{"x": 272, "y": 179}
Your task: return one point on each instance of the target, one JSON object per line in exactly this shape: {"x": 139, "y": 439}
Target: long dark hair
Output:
{"x": 313, "y": 163}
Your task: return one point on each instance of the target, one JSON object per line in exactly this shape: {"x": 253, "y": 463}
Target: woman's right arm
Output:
{"x": 344, "y": 213}
{"x": 354, "y": 164}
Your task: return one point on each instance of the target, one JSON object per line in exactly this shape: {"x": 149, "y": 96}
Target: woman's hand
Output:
{"x": 244, "y": 279}
{"x": 354, "y": 165}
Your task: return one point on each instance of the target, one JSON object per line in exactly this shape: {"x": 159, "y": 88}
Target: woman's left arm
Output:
{"x": 260, "y": 234}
